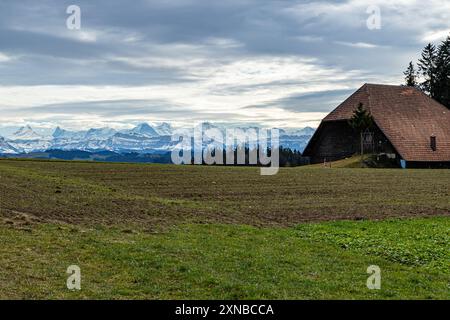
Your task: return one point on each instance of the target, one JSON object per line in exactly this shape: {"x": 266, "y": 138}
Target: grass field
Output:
{"x": 162, "y": 231}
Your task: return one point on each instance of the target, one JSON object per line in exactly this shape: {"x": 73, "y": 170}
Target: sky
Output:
{"x": 274, "y": 63}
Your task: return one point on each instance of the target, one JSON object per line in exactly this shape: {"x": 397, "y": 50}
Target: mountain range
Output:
{"x": 144, "y": 138}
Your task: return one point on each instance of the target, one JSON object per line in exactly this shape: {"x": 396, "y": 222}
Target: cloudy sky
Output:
{"x": 275, "y": 63}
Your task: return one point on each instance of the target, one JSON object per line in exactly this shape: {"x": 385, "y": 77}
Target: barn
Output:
{"x": 409, "y": 127}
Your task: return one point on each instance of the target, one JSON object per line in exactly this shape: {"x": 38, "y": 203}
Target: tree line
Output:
{"x": 432, "y": 72}
{"x": 287, "y": 157}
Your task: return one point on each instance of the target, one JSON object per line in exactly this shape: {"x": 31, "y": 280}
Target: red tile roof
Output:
{"x": 407, "y": 117}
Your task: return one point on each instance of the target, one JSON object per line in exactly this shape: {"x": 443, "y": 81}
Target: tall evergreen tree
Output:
{"x": 443, "y": 73}
{"x": 411, "y": 75}
{"x": 427, "y": 68}
{"x": 434, "y": 68}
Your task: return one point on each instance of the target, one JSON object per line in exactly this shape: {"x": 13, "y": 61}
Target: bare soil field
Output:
{"x": 152, "y": 196}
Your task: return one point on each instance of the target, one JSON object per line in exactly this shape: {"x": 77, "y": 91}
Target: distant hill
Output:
{"x": 107, "y": 156}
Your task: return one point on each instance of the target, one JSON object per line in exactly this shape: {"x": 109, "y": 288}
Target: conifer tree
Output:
{"x": 411, "y": 75}
{"x": 361, "y": 121}
{"x": 427, "y": 68}
{"x": 443, "y": 73}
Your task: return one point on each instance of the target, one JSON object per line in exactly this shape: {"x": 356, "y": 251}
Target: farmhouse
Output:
{"x": 408, "y": 126}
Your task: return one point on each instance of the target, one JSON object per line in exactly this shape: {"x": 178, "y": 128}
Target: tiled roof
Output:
{"x": 406, "y": 116}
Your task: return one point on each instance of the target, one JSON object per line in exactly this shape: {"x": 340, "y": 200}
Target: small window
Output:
{"x": 433, "y": 143}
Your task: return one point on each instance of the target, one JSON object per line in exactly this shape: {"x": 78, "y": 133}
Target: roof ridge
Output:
{"x": 385, "y": 85}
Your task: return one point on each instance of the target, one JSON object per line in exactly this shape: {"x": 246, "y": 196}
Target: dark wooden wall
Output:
{"x": 337, "y": 140}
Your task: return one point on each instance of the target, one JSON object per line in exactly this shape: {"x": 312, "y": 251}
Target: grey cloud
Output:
{"x": 46, "y": 53}
{"x": 323, "y": 101}
{"x": 117, "y": 108}
{"x": 106, "y": 108}
{"x": 263, "y": 27}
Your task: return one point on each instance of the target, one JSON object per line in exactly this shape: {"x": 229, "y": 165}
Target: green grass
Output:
{"x": 412, "y": 242}
{"x": 310, "y": 261}
{"x": 199, "y": 232}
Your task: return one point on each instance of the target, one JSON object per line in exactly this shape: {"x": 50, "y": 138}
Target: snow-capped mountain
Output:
{"x": 99, "y": 134}
{"x": 66, "y": 134}
{"x": 307, "y": 131}
{"x": 143, "y": 138}
{"x": 27, "y": 140}
{"x": 164, "y": 129}
{"x": 144, "y": 129}
{"x": 26, "y": 133}
{"x": 5, "y": 147}
{"x": 123, "y": 142}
